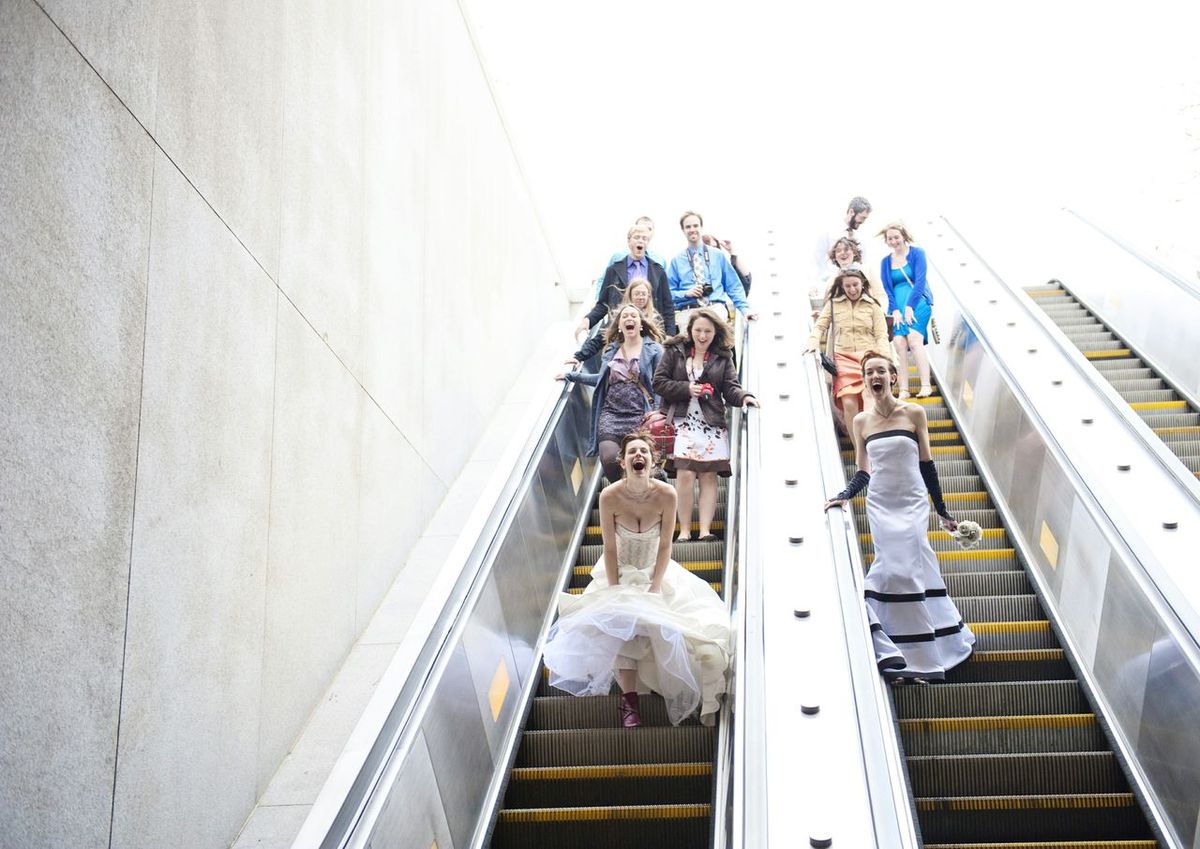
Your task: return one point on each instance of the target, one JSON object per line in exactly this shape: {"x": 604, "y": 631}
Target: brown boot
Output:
{"x": 630, "y": 717}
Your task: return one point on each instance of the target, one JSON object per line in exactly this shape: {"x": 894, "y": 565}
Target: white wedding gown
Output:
{"x": 916, "y": 626}
{"x": 679, "y": 636}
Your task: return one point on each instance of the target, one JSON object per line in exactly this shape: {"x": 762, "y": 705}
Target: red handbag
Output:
{"x": 661, "y": 430}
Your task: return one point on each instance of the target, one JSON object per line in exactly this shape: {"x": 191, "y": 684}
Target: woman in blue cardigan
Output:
{"x": 910, "y": 303}
{"x": 624, "y": 384}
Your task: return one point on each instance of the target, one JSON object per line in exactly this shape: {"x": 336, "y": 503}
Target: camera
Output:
{"x": 706, "y": 390}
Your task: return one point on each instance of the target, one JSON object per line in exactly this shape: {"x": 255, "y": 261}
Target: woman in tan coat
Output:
{"x": 855, "y": 318}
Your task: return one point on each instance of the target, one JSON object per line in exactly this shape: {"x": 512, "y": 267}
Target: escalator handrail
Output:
{"x": 883, "y": 763}
{"x": 1188, "y": 288}
{"x": 1141, "y": 575}
{"x": 1167, "y": 460}
{"x": 340, "y": 805}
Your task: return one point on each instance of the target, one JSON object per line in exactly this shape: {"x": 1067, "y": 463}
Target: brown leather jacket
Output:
{"x": 672, "y": 385}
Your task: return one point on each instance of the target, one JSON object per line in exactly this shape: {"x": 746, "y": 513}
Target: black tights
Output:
{"x": 609, "y": 453}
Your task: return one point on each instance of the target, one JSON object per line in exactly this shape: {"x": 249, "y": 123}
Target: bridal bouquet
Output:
{"x": 967, "y": 534}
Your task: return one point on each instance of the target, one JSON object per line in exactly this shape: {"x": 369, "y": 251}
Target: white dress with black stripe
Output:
{"x": 917, "y": 629}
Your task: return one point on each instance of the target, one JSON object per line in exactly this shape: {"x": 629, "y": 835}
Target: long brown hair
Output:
{"x": 836, "y": 288}
{"x": 722, "y": 342}
{"x": 613, "y": 331}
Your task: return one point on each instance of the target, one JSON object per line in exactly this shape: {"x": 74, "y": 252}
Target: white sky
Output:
{"x": 765, "y": 112}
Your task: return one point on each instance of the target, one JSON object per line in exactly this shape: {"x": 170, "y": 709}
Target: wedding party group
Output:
{"x": 663, "y": 371}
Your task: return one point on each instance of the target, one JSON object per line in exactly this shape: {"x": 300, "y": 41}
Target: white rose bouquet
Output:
{"x": 967, "y": 534}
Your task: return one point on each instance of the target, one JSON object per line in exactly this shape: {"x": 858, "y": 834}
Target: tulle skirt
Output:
{"x": 677, "y": 639}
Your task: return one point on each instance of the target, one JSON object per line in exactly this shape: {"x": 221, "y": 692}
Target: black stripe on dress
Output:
{"x": 911, "y": 434}
{"x": 894, "y": 598}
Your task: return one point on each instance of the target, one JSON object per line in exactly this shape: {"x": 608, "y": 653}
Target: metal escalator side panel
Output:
{"x": 1132, "y": 652}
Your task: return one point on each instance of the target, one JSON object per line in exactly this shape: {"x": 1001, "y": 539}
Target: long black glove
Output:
{"x": 856, "y": 485}
{"x": 930, "y": 476}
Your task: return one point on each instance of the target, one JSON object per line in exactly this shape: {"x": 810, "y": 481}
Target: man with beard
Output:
{"x": 856, "y": 215}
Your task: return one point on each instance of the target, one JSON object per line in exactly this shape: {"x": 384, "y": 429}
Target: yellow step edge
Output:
{"x": 1027, "y": 803}
{"x": 1016, "y": 656}
{"x": 935, "y": 423}
{"x": 943, "y": 436}
{"x": 988, "y": 533}
{"x": 569, "y": 773}
{"x": 1108, "y": 355}
{"x": 949, "y": 496}
{"x": 1043, "y": 293}
{"x": 973, "y": 554}
{"x": 999, "y": 723}
{"x": 1029, "y": 626}
{"x": 595, "y": 530}
{"x": 1159, "y": 405}
{"x": 716, "y": 585}
{"x": 607, "y": 813}
{"x": 1053, "y": 844}
{"x": 953, "y": 452}
{"x": 695, "y": 566}
{"x": 1175, "y": 431}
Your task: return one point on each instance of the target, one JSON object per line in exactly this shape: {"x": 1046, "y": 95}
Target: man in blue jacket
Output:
{"x": 701, "y": 276}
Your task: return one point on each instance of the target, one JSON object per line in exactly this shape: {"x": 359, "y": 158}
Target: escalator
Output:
{"x": 582, "y": 780}
{"x": 1008, "y": 752}
{"x": 1151, "y": 397}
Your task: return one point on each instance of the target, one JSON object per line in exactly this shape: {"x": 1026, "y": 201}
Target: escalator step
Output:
{"x": 1017, "y": 774}
{"x": 1084, "y": 817}
{"x": 1055, "y": 844}
{"x": 978, "y": 560}
{"x": 1013, "y": 665}
{"x": 939, "y": 540}
{"x": 1000, "y": 608}
{"x": 984, "y": 518}
{"x": 988, "y": 583}
{"x": 567, "y": 712}
{"x": 594, "y": 746}
{"x": 1010, "y": 636}
{"x": 709, "y": 570}
{"x": 594, "y": 516}
{"x": 614, "y": 785}
{"x": 1005, "y": 698}
{"x": 592, "y": 532}
{"x": 1160, "y": 419}
{"x": 630, "y": 827}
{"x": 1138, "y": 384}
{"x": 681, "y": 552}
{"x": 716, "y": 585}
{"x": 1003, "y": 735}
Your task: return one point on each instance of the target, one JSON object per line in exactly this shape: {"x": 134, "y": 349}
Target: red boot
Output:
{"x": 630, "y": 716}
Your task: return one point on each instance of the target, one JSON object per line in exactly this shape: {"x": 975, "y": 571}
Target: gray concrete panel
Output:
{"x": 220, "y": 111}
{"x": 315, "y": 485}
{"x": 323, "y": 77}
{"x": 391, "y": 510}
{"x": 394, "y": 191}
{"x": 198, "y": 576}
{"x": 75, "y": 178}
{"x": 119, "y": 40}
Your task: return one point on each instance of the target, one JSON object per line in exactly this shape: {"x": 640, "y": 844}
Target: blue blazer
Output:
{"x": 647, "y": 365}
{"x": 920, "y": 286}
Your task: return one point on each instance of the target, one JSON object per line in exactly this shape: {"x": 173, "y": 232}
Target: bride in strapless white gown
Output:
{"x": 676, "y": 638}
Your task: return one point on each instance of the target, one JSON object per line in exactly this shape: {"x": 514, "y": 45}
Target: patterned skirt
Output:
{"x": 624, "y": 407}
{"x": 700, "y": 447}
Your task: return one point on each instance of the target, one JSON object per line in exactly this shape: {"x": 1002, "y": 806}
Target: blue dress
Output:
{"x": 901, "y": 289}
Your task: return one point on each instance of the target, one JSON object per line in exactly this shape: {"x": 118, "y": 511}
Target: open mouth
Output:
{"x": 876, "y": 385}
{"x": 639, "y": 463}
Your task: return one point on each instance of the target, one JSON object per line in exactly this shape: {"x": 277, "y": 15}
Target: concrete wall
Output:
{"x": 263, "y": 269}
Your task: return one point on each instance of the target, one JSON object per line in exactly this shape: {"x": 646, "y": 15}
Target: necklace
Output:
{"x": 645, "y": 496}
